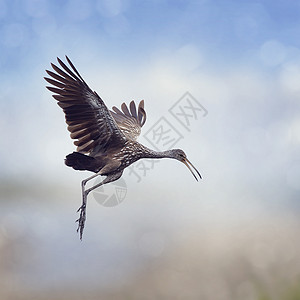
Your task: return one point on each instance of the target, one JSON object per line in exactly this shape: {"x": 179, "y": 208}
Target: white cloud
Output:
{"x": 290, "y": 77}
{"x": 293, "y": 175}
{"x": 294, "y": 130}
{"x": 257, "y": 141}
{"x": 273, "y": 53}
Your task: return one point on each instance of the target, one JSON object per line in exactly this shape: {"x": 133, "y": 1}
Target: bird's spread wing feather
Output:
{"x": 131, "y": 120}
{"x": 89, "y": 120}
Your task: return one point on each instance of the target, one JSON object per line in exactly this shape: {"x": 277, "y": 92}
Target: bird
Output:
{"x": 106, "y": 140}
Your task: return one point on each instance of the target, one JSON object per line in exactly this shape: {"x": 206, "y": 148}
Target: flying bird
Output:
{"x": 106, "y": 139}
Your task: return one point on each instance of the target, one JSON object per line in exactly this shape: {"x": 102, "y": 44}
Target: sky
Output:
{"x": 236, "y": 62}
{"x": 240, "y": 61}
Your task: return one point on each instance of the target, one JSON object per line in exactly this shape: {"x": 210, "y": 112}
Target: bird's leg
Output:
{"x": 82, "y": 217}
{"x": 83, "y": 182}
{"x": 109, "y": 178}
{"x": 82, "y": 209}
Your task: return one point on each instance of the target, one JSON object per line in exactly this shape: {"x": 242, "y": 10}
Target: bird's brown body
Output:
{"x": 106, "y": 140}
{"x": 114, "y": 161}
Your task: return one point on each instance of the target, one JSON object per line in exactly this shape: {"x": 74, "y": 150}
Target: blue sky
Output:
{"x": 226, "y": 31}
{"x": 241, "y": 57}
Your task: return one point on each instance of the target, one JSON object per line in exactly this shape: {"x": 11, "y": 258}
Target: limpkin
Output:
{"x": 106, "y": 140}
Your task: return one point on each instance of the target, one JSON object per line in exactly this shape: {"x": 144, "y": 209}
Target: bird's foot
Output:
{"x": 81, "y": 220}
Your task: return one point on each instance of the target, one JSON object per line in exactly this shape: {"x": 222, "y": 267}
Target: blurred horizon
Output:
{"x": 232, "y": 235}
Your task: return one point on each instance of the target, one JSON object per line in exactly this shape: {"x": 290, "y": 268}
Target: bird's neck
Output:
{"x": 149, "y": 153}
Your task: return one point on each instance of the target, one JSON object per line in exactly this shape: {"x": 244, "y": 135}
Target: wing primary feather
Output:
{"x": 117, "y": 111}
{"x": 125, "y": 110}
{"x": 141, "y": 113}
{"x": 133, "y": 109}
{"x": 74, "y": 69}
{"x": 67, "y": 69}
{"x": 61, "y": 79}
{"x": 62, "y": 73}
{"x": 143, "y": 117}
{"x": 54, "y": 82}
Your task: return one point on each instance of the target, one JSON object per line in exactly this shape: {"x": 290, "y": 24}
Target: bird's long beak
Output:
{"x": 189, "y": 164}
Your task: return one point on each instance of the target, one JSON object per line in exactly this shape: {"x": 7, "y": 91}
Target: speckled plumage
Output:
{"x": 106, "y": 140}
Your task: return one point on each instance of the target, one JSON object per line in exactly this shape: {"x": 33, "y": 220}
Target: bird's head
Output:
{"x": 181, "y": 156}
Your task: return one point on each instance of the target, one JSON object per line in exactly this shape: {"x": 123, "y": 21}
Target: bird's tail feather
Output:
{"x": 79, "y": 161}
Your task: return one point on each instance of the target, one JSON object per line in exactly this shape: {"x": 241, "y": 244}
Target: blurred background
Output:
{"x": 234, "y": 234}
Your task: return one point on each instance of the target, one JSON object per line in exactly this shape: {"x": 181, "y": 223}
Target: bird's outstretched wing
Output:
{"x": 131, "y": 120}
{"x": 90, "y": 122}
